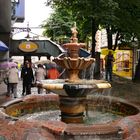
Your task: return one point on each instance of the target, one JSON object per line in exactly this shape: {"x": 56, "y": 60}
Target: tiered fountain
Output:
{"x": 75, "y": 102}
{"x": 72, "y": 101}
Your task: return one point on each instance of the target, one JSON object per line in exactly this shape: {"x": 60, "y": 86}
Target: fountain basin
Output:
{"x": 112, "y": 129}
{"x": 67, "y": 87}
{"x": 71, "y": 94}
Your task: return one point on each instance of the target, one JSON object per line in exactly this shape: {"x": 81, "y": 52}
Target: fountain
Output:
{"x": 73, "y": 112}
{"x": 76, "y": 89}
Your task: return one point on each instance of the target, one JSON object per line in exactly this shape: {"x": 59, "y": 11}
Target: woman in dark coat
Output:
{"x": 27, "y": 77}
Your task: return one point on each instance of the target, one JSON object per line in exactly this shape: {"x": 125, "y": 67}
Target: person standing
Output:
{"x": 53, "y": 73}
{"x": 13, "y": 80}
{"x": 109, "y": 59}
{"x": 27, "y": 77}
{"x": 40, "y": 74}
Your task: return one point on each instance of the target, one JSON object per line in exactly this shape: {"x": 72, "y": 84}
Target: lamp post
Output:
{"x": 28, "y": 31}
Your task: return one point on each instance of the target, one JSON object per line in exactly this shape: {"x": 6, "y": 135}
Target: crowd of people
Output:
{"x": 29, "y": 75}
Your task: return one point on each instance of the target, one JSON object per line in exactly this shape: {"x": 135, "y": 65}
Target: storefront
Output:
{"x": 123, "y": 62}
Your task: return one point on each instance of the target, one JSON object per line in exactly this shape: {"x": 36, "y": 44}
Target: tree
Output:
{"x": 88, "y": 15}
{"x": 59, "y": 24}
{"x": 120, "y": 17}
{"x": 129, "y": 21}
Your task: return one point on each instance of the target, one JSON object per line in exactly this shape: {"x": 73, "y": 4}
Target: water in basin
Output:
{"x": 91, "y": 117}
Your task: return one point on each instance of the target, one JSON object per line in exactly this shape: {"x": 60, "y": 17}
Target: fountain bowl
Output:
{"x": 73, "y": 88}
{"x": 74, "y": 63}
{"x": 12, "y": 111}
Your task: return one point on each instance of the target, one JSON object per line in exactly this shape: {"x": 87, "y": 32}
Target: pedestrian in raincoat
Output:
{"x": 40, "y": 74}
{"x": 27, "y": 78}
{"x": 13, "y": 80}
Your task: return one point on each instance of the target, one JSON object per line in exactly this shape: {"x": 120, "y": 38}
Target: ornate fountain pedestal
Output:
{"x": 73, "y": 105}
{"x": 72, "y": 110}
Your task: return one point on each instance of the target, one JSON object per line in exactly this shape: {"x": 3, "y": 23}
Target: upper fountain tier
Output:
{"x": 73, "y": 47}
{"x": 73, "y": 63}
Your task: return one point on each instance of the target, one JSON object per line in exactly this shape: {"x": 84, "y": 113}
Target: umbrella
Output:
{"x": 41, "y": 62}
{"x": 12, "y": 64}
{"x": 6, "y": 65}
{"x": 50, "y": 65}
{"x": 3, "y": 47}
{"x": 83, "y": 53}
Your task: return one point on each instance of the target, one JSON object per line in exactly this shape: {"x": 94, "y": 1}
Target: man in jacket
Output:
{"x": 109, "y": 59}
{"x": 40, "y": 74}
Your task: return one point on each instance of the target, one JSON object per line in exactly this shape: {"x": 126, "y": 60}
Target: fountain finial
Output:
{"x": 74, "y": 38}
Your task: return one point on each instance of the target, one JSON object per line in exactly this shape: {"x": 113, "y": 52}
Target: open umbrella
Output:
{"x": 50, "y": 65}
{"x": 12, "y": 64}
{"x": 6, "y": 65}
{"x": 3, "y": 47}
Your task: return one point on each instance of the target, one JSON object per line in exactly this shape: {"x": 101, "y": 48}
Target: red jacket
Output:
{"x": 52, "y": 73}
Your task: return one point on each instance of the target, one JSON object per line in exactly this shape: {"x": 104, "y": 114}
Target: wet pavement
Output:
{"x": 126, "y": 89}
{"x": 3, "y": 92}
{"x": 24, "y": 130}
{"x": 123, "y": 88}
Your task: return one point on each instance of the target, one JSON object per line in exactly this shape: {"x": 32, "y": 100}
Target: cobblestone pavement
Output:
{"x": 126, "y": 89}
{"x": 19, "y": 89}
{"x": 4, "y": 98}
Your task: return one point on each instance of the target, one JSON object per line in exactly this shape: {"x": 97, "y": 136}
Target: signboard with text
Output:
{"x": 28, "y": 46}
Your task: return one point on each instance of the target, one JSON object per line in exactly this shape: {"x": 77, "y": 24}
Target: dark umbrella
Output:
{"x": 3, "y": 47}
{"x": 48, "y": 66}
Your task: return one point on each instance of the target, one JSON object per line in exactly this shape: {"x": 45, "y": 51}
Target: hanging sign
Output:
{"x": 28, "y": 46}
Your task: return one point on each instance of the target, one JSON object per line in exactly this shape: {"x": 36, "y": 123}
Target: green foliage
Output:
{"x": 58, "y": 24}
{"x": 121, "y": 17}
{"x": 129, "y": 19}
